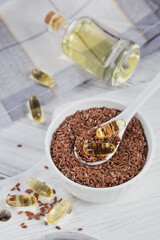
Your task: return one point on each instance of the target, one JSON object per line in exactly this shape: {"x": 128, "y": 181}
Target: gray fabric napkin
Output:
{"x": 145, "y": 17}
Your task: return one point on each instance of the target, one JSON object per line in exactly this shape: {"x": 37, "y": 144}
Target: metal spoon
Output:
{"x": 127, "y": 115}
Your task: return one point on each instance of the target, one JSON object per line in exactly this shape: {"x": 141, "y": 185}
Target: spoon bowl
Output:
{"x": 109, "y": 155}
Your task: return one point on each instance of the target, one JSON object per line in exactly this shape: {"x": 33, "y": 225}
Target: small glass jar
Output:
{"x": 101, "y": 51}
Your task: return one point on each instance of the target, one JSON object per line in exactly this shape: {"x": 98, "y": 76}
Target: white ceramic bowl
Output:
{"x": 88, "y": 193}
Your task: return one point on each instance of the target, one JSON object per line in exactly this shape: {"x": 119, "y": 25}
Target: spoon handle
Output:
{"x": 130, "y": 111}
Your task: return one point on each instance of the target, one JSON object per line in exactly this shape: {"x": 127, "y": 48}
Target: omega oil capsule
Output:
{"x": 111, "y": 128}
{"x": 59, "y": 210}
{"x": 21, "y": 200}
{"x": 35, "y": 108}
{"x": 39, "y": 187}
{"x": 99, "y": 149}
{"x": 42, "y": 77}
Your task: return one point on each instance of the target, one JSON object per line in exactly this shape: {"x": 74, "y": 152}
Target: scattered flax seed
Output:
{"x": 60, "y": 200}
{"x": 39, "y": 203}
{"x": 54, "y": 191}
{"x": 48, "y": 211}
{"x": 51, "y": 205}
{"x": 12, "y": 189}
{"x": 24, "y": 226}
{"x": 19, "y": 145}
{"x": 36, "y": 195}
{"x": 55, "y": 200}
{"x": 42, "y": 209}
{"x": 18, "y": 189}
{"x": 30, "y": 215}
{"x": 27, "y": 212}
{"x": 20, "y": 212}
{"x": 69, "y": 211}
{"x": 28, "y": 191}
{"x": 42, "y": 214}
{"x": 80, "y": 229}
{"x": 17, "y": 185}
{"x": 46, "y": 167}
{"x": 58, "y": 227}
{"x": 45, "y": 223}
{"x": 45, "y": 205}
{"x": 37, "y": 216}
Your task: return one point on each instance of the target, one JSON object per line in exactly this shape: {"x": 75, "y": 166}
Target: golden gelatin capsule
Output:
{"x": 35, "y": 108}
{"x": 96, "y": 148}
{"x": 111, "y": 128}
{"x": 21, "y": 200}
{"x": 42, "y": 77}
{"x": 39, "y": 187}
{"x": 59, "y": 210}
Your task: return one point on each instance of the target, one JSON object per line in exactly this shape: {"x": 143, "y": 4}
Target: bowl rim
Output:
{"x": 91, "y": 100}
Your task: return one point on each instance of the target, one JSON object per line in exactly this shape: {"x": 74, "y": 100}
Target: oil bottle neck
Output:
{"x": 56, "y": 22}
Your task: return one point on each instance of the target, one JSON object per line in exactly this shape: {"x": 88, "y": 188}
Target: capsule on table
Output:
{"x": 59, "y": 210}
{"x": 21, "y": 200}
{"x": 111, "y": 128}
{"x": 42, "y": 77}
{"x": 39, "y": 187}
{"x": 35, "y": 108}
{"x": 96, "y": 148}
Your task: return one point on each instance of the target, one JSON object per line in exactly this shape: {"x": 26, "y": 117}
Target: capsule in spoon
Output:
{"x": 107, "y": 130}
{"x": 98, "y": 149}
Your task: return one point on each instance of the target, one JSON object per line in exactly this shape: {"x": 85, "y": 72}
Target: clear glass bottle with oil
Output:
{"x": 100, "y": 51}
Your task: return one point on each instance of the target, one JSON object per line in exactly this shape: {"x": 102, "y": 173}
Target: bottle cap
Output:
{"x": 54, "y": 20}
{"x": 48, "y": 17}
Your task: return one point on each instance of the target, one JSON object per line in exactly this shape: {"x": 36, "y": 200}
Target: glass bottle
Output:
{"x": 99, "y": 50}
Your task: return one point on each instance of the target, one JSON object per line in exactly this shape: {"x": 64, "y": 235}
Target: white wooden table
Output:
{"x": 135, "y": 218}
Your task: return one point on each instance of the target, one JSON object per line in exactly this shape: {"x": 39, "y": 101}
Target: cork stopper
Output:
{"x": 48, "y": 17}
{"x": 54, "y": 20}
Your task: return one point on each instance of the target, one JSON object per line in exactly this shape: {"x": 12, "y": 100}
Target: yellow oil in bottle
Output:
{"x": 105, "y": 56}
{"x": 87, "y": 46}
{"x": 99, "y": 50}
